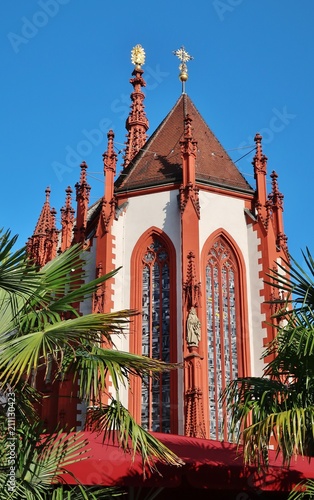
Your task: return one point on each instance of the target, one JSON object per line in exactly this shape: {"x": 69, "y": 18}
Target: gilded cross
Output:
{"x": 182, "y": 55}
{"x": 184, "y": 58}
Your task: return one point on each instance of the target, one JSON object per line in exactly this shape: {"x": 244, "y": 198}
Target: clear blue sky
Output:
{"x": 66, "y": 69}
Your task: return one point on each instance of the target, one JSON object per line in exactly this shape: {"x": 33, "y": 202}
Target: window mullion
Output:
{"x": 221, "y": 328}
{"x": 150, "y": 388}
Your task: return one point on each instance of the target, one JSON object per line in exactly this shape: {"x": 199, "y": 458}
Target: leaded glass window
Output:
{"x": 221, "y": 300}
{"x": 155, "y": 415}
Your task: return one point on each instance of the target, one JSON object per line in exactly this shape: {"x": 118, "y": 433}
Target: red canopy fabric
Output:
{"x": 209, "y": 464}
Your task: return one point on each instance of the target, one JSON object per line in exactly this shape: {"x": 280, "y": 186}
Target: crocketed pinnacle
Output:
{"x": 137, "y": 122}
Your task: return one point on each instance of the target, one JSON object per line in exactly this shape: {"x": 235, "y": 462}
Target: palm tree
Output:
{"x": 40, "y": 327}
{"x": 278, "y": 408}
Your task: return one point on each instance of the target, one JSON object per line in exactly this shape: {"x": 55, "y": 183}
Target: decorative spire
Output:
{"x": 136, "y": 123}
{"x": 42, "y": 245}
{"x": 259, "y": 160}
{"x": 191, "y": 287}
{"x": 82, "y": 197}
{"x": 260, "y": 171}
{"x": 43, "y": 223}
{"x": 275, "y": 196}
{"x": 184, "y": 58}
{"x": 67, "y": 221}
{"x": 276, "y": 201}
{"x": 188, "y": 189}
{"x": 108, "y": 203}
{"x": 109, "y": 156}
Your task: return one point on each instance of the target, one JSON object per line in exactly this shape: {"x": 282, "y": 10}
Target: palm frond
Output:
{"x": 60, "y": 287}
{"x": 292, "y": 351}
{"x": 250, "y": 400}
{"x": 26, "y": 397}
{"x": 92, "y": 365}
{"x": 119, "y": 425}
{"x": 16, "y": 275}
{"x": 64, "y": 277}
{"x": 293, "y": 431}
{"x": 86, "y": 493}
{"x": 296, "y": 282}
{"x": 40, "y": 460}
{"x": 303, "y": 491}
{"x": 21, "y": 355}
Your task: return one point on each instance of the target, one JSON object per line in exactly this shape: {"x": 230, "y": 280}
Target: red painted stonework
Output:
{"x": 82, "y": 197}
{"x": 136, "y": 123}
{"x": 67, "y": 221}
{"x": 181, "y": 157}
{"x": 269, "y": 227}
{"x": 42, "y": 245}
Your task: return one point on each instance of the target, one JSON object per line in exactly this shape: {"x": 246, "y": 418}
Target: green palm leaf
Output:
{"x": 93, "y": 365}
{"x": 303, "y": 491}
{"x": 296, "y": 282}
{"x": 25, "y": 353}
{"x": 119, "y": 425}
{"x": 85, "y": 493}
{"x": 16, "y": 275}
{"x": 40, "y": 461}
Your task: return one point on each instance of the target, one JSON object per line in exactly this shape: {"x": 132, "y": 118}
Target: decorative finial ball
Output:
{"x": 183, "y": 76}
{"x": 138, "y": 56}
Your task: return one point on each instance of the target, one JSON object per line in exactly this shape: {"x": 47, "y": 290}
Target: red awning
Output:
{"x": 208, "y": 464}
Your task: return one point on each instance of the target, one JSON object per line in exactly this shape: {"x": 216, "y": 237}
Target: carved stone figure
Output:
{"x": 193, "y": 329}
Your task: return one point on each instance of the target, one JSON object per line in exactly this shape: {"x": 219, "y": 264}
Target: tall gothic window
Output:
{"x": 154, "y": 276}
{"x": 222, "y": 325}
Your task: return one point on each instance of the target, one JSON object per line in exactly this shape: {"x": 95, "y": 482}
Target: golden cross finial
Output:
{"x": 184, "y": 58}
{"x": 182, "y": 55}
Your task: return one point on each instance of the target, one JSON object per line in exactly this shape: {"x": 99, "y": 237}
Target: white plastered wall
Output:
{"x": 227, "y": 212}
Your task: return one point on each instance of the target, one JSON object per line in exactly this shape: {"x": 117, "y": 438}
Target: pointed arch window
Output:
{"x": 155, "y": 335}
{"x": 223, "y": 321}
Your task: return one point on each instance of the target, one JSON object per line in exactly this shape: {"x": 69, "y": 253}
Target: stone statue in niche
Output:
{"x": 193, "y": 329}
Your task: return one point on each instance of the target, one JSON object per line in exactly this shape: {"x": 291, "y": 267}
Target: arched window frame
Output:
{"x": 135, "y": 396}
{"x": 242, "y": 330}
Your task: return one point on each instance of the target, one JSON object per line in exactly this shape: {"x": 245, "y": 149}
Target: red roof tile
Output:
{"x": 159, "y": 162}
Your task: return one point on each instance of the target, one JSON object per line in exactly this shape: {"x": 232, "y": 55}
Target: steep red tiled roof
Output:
{"x": 159, "y": 162}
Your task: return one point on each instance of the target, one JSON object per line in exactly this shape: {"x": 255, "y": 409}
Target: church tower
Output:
{"x": 195, "y": 243}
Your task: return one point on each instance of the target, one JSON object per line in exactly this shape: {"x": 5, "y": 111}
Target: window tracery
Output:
{"x": 222, "y": 311}
{"x": 155, "y": 413}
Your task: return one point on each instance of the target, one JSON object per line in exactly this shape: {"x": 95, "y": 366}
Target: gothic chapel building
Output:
{"x": 194, "y": 242}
